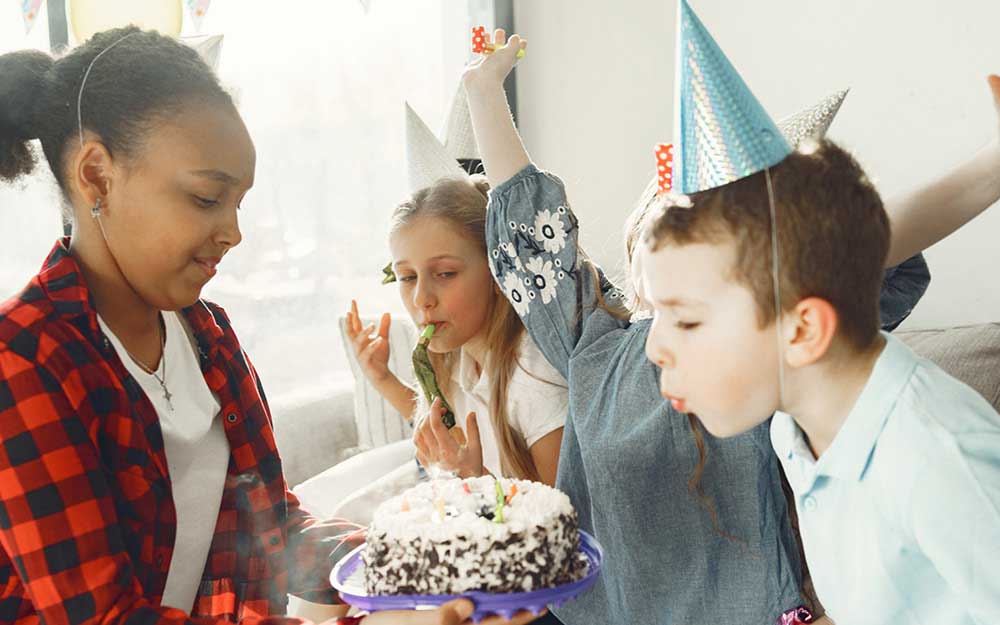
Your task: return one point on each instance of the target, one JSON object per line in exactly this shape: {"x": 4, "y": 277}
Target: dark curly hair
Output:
{"x": 143, "y": 78}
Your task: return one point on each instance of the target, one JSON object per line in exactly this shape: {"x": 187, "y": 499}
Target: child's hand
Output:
{"x": 449, "y": 449}
{"x": 492, "y": 69}
{"x": 455, "y": 612}
{"x": 371, "y": 352}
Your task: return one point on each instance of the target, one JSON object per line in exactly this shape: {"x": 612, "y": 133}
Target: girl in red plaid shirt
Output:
{"x": 108, "y": 446}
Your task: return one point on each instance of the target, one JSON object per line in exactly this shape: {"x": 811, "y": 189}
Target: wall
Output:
{"x": 595, "y": 95}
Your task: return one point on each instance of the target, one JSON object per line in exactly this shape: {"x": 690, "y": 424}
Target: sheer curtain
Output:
{"x": 321, "y": 87}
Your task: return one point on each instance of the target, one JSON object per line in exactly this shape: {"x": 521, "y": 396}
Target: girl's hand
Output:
{"x": 455, "y": 612}
{"x": 371, "y": 352}
{"x": 449, "y": 449}
{"x": 492, "y": 69}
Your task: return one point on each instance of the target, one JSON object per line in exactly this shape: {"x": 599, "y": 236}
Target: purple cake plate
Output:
{"x": 347, "y": 578}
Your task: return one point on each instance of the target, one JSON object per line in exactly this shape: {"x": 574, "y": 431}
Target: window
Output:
{"x": 321, "y": 87}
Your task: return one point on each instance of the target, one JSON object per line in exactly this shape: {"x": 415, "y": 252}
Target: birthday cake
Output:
{"x": 454, "y": 536}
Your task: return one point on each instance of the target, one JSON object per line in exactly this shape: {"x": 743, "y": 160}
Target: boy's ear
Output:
{"x": 810, "y": 328}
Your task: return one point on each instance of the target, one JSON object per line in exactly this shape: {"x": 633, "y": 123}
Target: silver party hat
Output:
{"x": 459, "y": 139}
{"x": 813, "y": 122}
{"x": 427, "y": 160}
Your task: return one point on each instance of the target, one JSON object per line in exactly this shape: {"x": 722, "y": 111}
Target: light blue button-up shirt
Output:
{"x": 900, "y": 517}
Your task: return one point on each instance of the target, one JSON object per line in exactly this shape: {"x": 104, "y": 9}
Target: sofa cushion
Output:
{"x": 314, "y": 429}
{"x": 323, "y": 494}
{"x": 377, "y": 421}
{"x": 969, "y": 353}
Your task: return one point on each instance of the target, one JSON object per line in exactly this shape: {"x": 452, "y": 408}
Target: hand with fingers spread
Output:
{"x": 371, "y": 350}
{"x": 449, "y": 449}
{"x": 493, "y": 68}
{"x": 457, "y": 612}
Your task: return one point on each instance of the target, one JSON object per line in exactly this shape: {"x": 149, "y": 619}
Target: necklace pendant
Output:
{"x": 167, "y": 395}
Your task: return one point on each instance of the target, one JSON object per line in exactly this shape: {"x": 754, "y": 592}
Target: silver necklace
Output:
{"x": 163, "y": 363}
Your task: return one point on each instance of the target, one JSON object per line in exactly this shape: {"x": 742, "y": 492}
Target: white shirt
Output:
{"x": 537, "y": 399}
{"x": 197, "y": 453}
{"x": 900, "y": 517}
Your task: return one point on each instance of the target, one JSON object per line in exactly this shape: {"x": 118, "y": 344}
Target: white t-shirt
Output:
{"x": 197, "y": 453}
{"x": 537, "y": 399}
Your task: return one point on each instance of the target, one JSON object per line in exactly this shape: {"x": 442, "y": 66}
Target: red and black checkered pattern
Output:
{"x": 87, "y": 521}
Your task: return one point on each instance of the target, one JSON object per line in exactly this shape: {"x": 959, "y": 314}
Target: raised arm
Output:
{"x": 531, "y": 232}
{"x": 499, "y": 143}
{"x": 922, "y": 217}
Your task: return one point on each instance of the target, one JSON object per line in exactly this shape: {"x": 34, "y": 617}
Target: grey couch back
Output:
{"x": 969, "y": 353}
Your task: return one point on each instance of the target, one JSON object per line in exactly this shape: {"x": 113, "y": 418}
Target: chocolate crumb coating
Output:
{"x": 441, "y": 538}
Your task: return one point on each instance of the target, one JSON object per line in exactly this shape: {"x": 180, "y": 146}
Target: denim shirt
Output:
{"x": 627, "y": 456}
{"x": 902, "y": 288}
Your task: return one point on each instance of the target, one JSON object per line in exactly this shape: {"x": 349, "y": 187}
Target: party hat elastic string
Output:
{"x": 79, "y": 96}
{"x": 775, "y": 277}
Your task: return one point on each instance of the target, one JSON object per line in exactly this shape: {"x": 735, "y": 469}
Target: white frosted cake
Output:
{"x": 453, "y": 536}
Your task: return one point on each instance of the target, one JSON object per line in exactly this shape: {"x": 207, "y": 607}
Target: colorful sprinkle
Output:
{"x": 513, "y": 491}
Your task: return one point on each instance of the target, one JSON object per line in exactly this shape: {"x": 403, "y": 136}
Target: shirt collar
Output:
{"x": 851, "y": 449}
{"x": 469, "y": 376}
{"x": 61, "y": 280}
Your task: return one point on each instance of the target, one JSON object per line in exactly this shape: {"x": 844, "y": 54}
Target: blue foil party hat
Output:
{"x": 809, "y": 124}
{"x": 721, "y": 131}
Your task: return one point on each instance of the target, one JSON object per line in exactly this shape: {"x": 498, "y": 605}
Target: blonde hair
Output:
{"x": 463, "y": 204}
{"x": 632, "y": 304}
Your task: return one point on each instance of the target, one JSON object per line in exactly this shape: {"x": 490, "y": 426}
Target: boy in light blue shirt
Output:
{"x": 899, "y": 515}
{"x": 895, "y": 466}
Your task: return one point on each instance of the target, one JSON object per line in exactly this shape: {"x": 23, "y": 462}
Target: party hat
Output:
{"x": 809, "y": 123}
{"x": 722, "y": 132}
{"x": 209, "y": 47}
{"x": 813, "y": 122}
{"x": 427, "y": 160}
{"x": 459, "y": 138}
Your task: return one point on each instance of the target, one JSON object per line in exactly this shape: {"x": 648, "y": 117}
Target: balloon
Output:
{"x": 92, "y": 16}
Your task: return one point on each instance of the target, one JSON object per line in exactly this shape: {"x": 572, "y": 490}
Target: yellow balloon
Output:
{"x": 92, "y": 16}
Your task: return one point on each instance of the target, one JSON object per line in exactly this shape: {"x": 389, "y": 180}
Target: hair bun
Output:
{"x": 22, "y": 85}
{"x": 22, "y": 91}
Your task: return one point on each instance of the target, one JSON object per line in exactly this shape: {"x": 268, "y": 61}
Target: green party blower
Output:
{"x": 427, "y": 378}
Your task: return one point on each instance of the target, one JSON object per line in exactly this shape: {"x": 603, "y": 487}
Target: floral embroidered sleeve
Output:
{"x": 532, "y": 235}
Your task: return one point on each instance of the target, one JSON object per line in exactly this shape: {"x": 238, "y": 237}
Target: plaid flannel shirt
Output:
{"x": 87, "y": 521}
